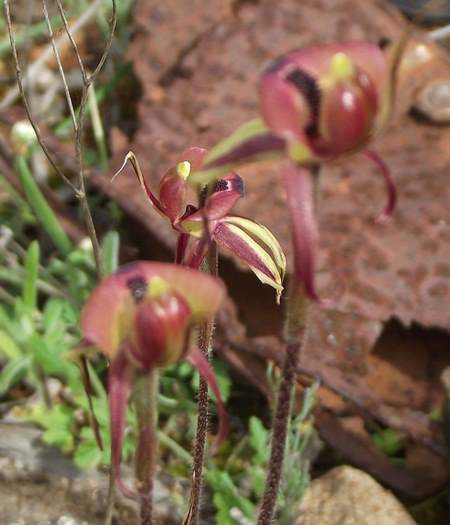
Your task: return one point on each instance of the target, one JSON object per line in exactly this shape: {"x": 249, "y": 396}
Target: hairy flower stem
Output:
{"x": 296, "y": 326}
{"x": 209, "y": 265}
{"x": 145, "y": 395}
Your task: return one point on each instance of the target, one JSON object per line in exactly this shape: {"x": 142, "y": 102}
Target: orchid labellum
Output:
{"x": 317, "y": 104}
{"x": 142, "y": 318}
{"x": 211, "y": 220}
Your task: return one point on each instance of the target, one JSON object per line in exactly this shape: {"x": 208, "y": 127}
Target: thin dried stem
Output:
{"x": 62, "y": 14}
{"x": 60, "y": 67}
{"x": 45, "y": 56}
{"x": 80, "y": 191}
{"x": 20, "y": 85}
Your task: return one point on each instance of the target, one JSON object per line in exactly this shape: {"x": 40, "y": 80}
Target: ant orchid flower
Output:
{"x": 317, "y": 104}
{"x": 142, "y": 318}
{"x": 251, "y": 242}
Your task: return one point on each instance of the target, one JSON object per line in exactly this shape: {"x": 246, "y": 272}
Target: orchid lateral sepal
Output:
{"x": 386, "y": 214}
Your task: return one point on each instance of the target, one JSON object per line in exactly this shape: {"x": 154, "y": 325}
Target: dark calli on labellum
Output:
{"x": 317, "y": 104}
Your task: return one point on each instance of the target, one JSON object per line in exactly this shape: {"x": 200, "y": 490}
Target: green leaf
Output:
{"x": 59, "y": 437}
{"x": 259, "y": 438}
{"x": 227, "y": 493}
{"x": 57, "y": 423}
{"x": 390, "y": 441}
{"x": 13, "y": 372}
{"x": 52, "y": 318}
{"x": 110, "y": 252}
{"x": 8, "y": 346}
{"x": 41, "y": 209}
{"x": 87, "y": 454}
{"x": 258, "y": 476}
{"x": 31, "y": 266}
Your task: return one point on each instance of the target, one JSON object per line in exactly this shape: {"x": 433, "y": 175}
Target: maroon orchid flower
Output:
{"x": 251, "y": 242}
{"x": 142, "y": 318}
{"x": 318, "y": 104}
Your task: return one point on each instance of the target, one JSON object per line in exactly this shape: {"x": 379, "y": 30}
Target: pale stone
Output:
{"x": 348, "y": 496}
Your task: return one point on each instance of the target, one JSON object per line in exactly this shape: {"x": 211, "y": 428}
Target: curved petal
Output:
{"x": 131, "y": 157}
{"x": 386, "y": 214}
{"x": 119, "y": 376}
{"x": 300, "y": 203}
{"x": 199, "y": 361}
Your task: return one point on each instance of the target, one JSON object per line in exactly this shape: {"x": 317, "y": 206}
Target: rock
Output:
{"x": 41, "y": 486}
{"x": 348, "y": 496}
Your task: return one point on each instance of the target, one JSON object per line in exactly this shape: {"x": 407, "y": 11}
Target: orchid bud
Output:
{"x": 326, "y": 100}
{"x": 161, "y": 328}
{"x": 140, "y": 317}
{"x": 145, "y": 309}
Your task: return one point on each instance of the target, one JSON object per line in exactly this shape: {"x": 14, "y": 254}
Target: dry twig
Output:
{"x": 88, "y": 79}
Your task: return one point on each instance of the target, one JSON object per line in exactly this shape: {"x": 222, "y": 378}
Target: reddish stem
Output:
{"x": 204, "y": 343}
{"x": 145, "y": 399}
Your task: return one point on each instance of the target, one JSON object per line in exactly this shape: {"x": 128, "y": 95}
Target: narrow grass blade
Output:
{"x": 41, "y": 209}
{"x": 31, "y": 266}
{"x": 110, "y": 252}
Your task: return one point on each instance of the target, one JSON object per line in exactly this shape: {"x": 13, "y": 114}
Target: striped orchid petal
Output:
{"x": 254, "y": 245}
